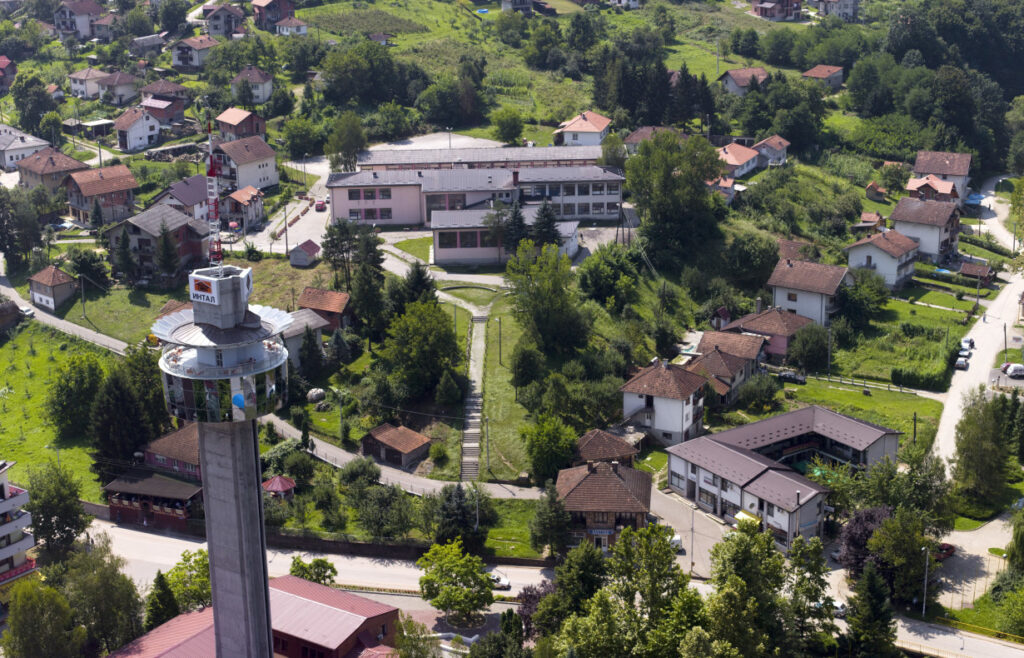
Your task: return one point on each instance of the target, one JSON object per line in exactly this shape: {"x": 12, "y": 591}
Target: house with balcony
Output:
{"x": 844, "y": 9}
{"x": 15, "y": 542}
{"x": 603, "y": 498}
{"x": 190, "y": 237}
{"x": 74, "y": 18}
{"x": 666, "y": 401}
{"x": 47, "y": 167}
{"x": 16, "y": 145}
{"x": 266, "y": 13}
{"x": 113, "y": 188}
{"x": 776, "y": 10}
{"x": 246, "y": 162}
{"x": 261, "y": 83}
{"x": 771, "y": 151}
{"x": 191, "y": 53}
{"x": 955, "y": 167}
{"x": 724, "y": 372}
{"x": 236, "y": 123}
{"x": 148, "y": 45}
{"x": 188, "y": 196}
{"x": 136, "y": 129}
{"x": 245, "y": 207}
{"x": 104, "y": 27}
{"x": 934, "y": 225}
{"x": 586, "y": 129}
{"x": 224, "y": 20}
{"x": 176, "y": 453}
{"x": 747, "y": 346}
{"x": 165, "y": 89}
{"x": 118, "y": 88}
{"x": 50, "y": 287}
{"x": 808, "y": 289}
{"x": 778, "y": 327}
{"x": 890, "y": 254}
{"x": 85, "y": 83}
{"x": 932, "y": 188}
{"x": 739, "y": 81}
{"x": 739, "y": 160}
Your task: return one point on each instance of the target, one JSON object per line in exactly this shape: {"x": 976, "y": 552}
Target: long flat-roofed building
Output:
{"x": 462, "y": 237}
{"x": 497, "y": 157}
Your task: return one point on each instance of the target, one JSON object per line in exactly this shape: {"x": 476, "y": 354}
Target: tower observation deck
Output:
{"x": 224, "y": 363}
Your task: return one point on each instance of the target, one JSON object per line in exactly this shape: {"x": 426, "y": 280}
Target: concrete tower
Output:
{"x": 224, "y": 364}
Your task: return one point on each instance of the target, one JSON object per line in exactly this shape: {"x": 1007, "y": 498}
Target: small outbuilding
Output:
{"x": 51, "y": 287}
{"x": 304, "y": 255}
{"x": 398, "y": 446}
{"x": 280, "y": 486}
{"x": 331, "y": 305}
{"x": 980, "y": 271}
{"x": 301, "y": 320}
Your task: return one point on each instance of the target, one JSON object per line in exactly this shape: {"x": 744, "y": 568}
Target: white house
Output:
{"x": 262, "y": 84}
{"x": 666, "y": 400}
{"x": 289, "y": 26}
{"x": 85, "y": 83}
{"x": 807, "y": 289}
{"x": 248, "y": 161}
{"x": 586, "y": 129}
{"x": 136, "y": 129}
{"x": 188, "y": 196}
{"x": 192, "y": 52}
{"x": 737, "y": 81}
{"x": 16, "y": 145}
{"x": 934, "y": 225}
{"x": 830, "y": 76}
{"x": 118, "y": 87}
{"x": 739, "y": 160}
{"x": 771, "y": 151}
{"x": 891, "y": 254}
{"x": 954, "y": 167}
{"x": 844, "y": 9}
{"x": 74, "y": 18}
{"x": 244, "y": 206}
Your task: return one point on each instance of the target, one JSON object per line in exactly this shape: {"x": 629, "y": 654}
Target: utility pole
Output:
{"x": 487, "y": 441}
{"x": 830, "y": 351}
{"x": 924, "y": 601}
{"x": 693, "y": 514}
{"x": 915, "y": 427}
{"x": 499, "y": 340}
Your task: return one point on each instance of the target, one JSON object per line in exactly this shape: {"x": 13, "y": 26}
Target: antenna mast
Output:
{"x": 216, "y": 252}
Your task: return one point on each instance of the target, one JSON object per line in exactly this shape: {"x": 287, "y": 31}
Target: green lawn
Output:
{"x": 964, "y": 524}
{"x": 278, "y": 284}
{"x": 652, "y": 459}
{"x": 418, "y": 247}
{"x": 980, "y": 252}
{"x": 954, "y": 288}
{"x": 122, "y": 313}
{"x": 30, "y": 361}
{"x": 918, "y": 293}
{"x": 511, "y": 537}
{"x": 509, "y": 453}
{"x": 476, "y": 296}
{"x": 539, "y": 134}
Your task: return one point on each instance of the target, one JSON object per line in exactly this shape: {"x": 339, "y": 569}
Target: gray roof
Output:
{"x": 471, "y": 180}
{"x": 14, "y": 138}
{"x": 151, "y": 219}
{"x": 569, "y": 174}
{"x": 188, "y": 191}
{"x": 779, "y": 486}
{"x": 853, "y": 432}
{"x": 509, "y": 154}
{"x": 737, "y": 465}
{"x": 303, "y": 318}
{"x": 474, "y": 218}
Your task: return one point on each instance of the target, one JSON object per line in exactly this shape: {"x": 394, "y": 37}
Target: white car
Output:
{"x": 967, "y": 343}
{"x": 27, "y": 311}
{"x": 499, "y": 581}
{"x": 677, "y": 542}
{"x": 1015, "y": 370}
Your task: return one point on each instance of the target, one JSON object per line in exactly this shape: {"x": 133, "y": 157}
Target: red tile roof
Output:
{"x": 891, "y": 242}
{"x": 808, "y": 277}
{"x": 246, "y": 195}
{"x": 290, "y": 21}
{"x": 795, "y": 250}
{"x": 188, "y": 634}
{"x": 822, "y": 71}
{"x": 939, "y": 162}
{"x": 604, "y": 487}
{"x": 117, "y": 79}
{"x": 933, "y": 181}
{"x": 742, "y": 77}
{"x": 50, "y": 161}
{"x": 181, "y": 444}
{"x": 129, "y": 118}
{"x": 976, "y": 270}
{"x": 919, "y": 211}
{"x": 771, "y": 322}
{"x": 736, "y": 155}
{"x": 311, "y": 248}
{"x": 52, "y": 276}
{"x": 80, "y": 7}
{"x": 279, "y": 484}
{"x": 401, "y": 438}
{"x": 741, "y": 345}
{"x": 165, "y": 87}
{"x": 598, "y": 445}
{"x": 201, "y": 42}
{"x": 775, "y": 141}
{"x": 233, "y": 116}
{"x": 664, "y": 380}
{"x": 585, "y": 122}
{"x": 319, "y": 299}
{"x": 105, "y": 180}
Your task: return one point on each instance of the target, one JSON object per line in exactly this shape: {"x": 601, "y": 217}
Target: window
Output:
{"x": 725, "y": 485}
{"x": 353, "y": 195}
{"x": 370, "y": 214}
{"x": 383, "y": 630}
{"x": 575, "y": 137}
{"x": 468, "y": 240}
{"x": 868, "y": 260}
{"x": 706, "y": 497}
{"x": 369, "y": 195}
{"x": 667, "y": 436}
{"x": 220, "y": 357}
{"x": 597, "y": 208}
{"x": 385, "y": 213}
{"x": 447, "y": 240}
{"x": 384, "y": 193}
{"x": 568, "y": 189}
{"x": 191, "y": 468}
{"x": 568, "y": 209}
{"x": 486, "y": 239}
{"x": 677, "y": 480}
{"x": 613, "y": 188}
{"x": 583, "y": 189}
{"x": 791, "y": 296}
{"x": 583, "y": 208}
{"x": 597, "y": 188}
{"x": 693, "y": 469}
{"x": 354, "y": 215}
{"x": 770, "y": 510}
{"x": 160, "y": 459}
{"x": 613, "y": 208}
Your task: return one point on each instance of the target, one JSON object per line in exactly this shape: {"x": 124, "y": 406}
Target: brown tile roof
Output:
{"x": 872, "y": 218}
{"x": 717, "y": 363}
{"x": 108, "y": 19}
{"x": 231, "y": 9}
{"x": 822, "y": 71}
{"x": 770, "y": 322}
{"x": 664, "y": 380}
{"x": 279, "y": 484}
{"x": 776, "y": 142}
{"x": 854, "y": 432}
{"x": 233, "y": 116}
{"x": 311, "y": 248}
{"x": 246, "y": 195}
{"x": 253, "y": 74}
{"x": 51, "y": 276}
{"x": 875, "y": 187}
{"x": 249, "y": 149}
{"x": 604, "y": 487}
{"x": 933, "y": 181}
{"x": 181, "y": 444}
{"x": 80, "y": 7}
{"x": 808, "y": 277}
{"x": 976, "y": 270}
{"x": 939, "y": 162}
{"x": 744, "y": 346}
{"x": 918, "y": 211}
{"x": 742, "y": 77}
{"x": 598, "y": 445}
{"x": 102, "y": 181}
{"x": 201, "y": 42}
{"x": 290, "y": 21}
{"x": 116, "y": 79}
{"x": 88, "y": 73}
{"x": 129, "y": 118}
{"x": 891, "y": 242}
{"x": 794, "y": 249}
{"x": 165, "y": 87}
{"x": 323, "y": 300}
{"x": 401, "y": 438}
{"x": 50, "y": 161}
{"x": 585, "y": 122}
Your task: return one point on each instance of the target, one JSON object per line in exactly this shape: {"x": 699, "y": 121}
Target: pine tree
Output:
{"x": 515, "y": 229}
{"x": 123, "y": 259}
{"x": 118, "y": 424}
{"x": 419, "y": 285}
{"x": 545, "y": 226}
{"x": 337, "y": 350}
{"x": 550, "y": 525}
{"x": 448, "y": 392}
{"x": 871, "y": 627}
{"x": 367, "y": 299}
{"x": 311, "y": 355}
{"x": 96, "y": 217}
{"x": 161, "y": 606}
{"x": 166, "y": 252}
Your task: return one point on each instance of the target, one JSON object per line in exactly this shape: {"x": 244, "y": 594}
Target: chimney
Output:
{"x": 798, "y": 498}
{"x": 757, "y": 305}
{"x": 515, "y": 177}
{"x": 590, "y": 467}
{"x": 615, "y": 467}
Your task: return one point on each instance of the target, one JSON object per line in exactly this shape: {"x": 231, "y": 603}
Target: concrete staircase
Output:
{"x": 471, "y": 438}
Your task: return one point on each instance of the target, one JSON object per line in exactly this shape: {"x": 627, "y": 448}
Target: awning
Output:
{"x": 744, "y": 515}
{"x": 147, "y": 483}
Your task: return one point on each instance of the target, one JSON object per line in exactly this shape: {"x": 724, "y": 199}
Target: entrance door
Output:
{"x": 601, "y": 542}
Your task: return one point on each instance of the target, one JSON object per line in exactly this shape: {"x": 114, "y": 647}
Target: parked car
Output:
{"x": 1015, "y": 370}
{"x": 677, "y": 542}
{"x": 792, "y": 377}
{"x": 27, "y": 311}
{"x": 967, "y": 343}
{"x": 839, "y": 610}
{"x": 320, "y": 205}
{"x": 499, "y": 581}
{"x": 834, "y": 555}
{"x": 945, "y": 551}
{"x": 961, "y": 364}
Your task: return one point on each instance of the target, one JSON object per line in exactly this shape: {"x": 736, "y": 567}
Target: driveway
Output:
{"x": 683, "y": 516}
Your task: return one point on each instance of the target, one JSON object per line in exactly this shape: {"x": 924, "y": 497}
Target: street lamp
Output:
{"x": 924, "y": 600}
{"x": 304, "y": 156}
{"x": 449, "y": 129}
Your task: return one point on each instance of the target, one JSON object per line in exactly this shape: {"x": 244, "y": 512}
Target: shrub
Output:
{"x": 252, "y": 254}
{"x": 758, "y": 392}
{"x": 448, "y": 392}
{"x": 987, "y": 242}
{"x": 809, "y": 348}
{"x": 438, "y": 452}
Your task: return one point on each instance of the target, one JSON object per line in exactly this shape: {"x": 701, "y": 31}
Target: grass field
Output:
{"x": 476, "y": 296}
{"x": 30, "y": 361}
{"x": 278, "y": 284}
{"x": 917, "y": 293}
{"x": 511, "y": 537}
{"x": 418, "y": 247}
{"x": 509, "y": 454}
{"x": 652, "y": 459}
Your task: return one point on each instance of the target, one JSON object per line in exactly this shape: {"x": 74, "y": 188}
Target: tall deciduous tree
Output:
{"x": 40, "y": 623}
{"x": 507, "y": 124}
{"x": 32, "y": 100}
{"x": 415, "y": 640}
{"x": 980, "y": 463}
{"x": 550, "y": 444}
{"x": 1015, "y": 549}
{"x": 161, "y": 606}
{"x": 549, "y": 527}
{"x": 189, "y": 579}
{"x": 317, "y": 570}
{"x": 339, "y": 241}
{"x": 70, "y": 395}
{"x": 871, "y": 628}
{"x": 613, "y": 151}
{"x": 901, "y": 548}
{"x": 345, "y": 142}
{"x": 142, "y": 368}
{"x": 544, "y": 299}
{"x": 420, "y": 347}
{"x": 454, "y": 581}
{"x": 58, "y": 516}
{"x": 807, "y": 612}
{"x": 118, "y": 424}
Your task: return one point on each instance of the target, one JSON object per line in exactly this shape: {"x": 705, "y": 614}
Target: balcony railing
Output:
{"x": 19, "y": 570}
{"x": 21, "y": 520}
{"x": 20, "y": 546}
{"x": 184, "y": 362}
{"x": 17, "y": 499}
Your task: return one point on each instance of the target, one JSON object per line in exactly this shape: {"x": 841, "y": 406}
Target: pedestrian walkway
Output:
{"x": 470, "y": 467}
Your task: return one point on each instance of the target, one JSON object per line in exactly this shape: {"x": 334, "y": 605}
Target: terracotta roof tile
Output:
{"x": 808, "y": 277}
{"x": 771, "y": 322}
{"x": 323, "y": 300}
{"x": 88, "y": 73}
{"x": 604, "y": 487}
{"x": 822, "y": 71}
{"x": 181, "y": 444}
{"x": 279, "y": 484}
{"x": 932, "y": 181}
{"x": 976, "y": 270}
{"x": 246, "y": 195}
{"x": 744, "y": 346}
{"x": 51, "y": 276}
{"x": 253, "y": 74}
{"x": 117, "y": 79}
{"x": 129, "y": 118}
{"x": 233, "y": 116}
{"x": 311, "y": 248}
{"x": 939, "y": 162}
{"x": 585, "y": 122}
{"x": 50, "y": 161}
{"x": 891, "y": 242}
{"x": 742, "y": 77}
{"x": 918, "y": 211}
{"x": 775, "y": 141}
{"x": 290, "y": 21}
{"x": 736, "y": 154}
{"x": 201, "y": 42}
{"x": 717, "y": 363}
{"x": 598, "y": 445}
{"x": 664, "y": 380}
{"x": 102, "y": 181}
{"x": 401, "y": 438}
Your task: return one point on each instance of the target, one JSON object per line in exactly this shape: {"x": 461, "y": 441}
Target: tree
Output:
{"x": 173, "y": 14}
{"x": 549, "y": 527}
{"x": 807, "y": 612}
{"x": 50, "y": 127}
{"x": 358, "y": 475}
{"x": 40, "y": 623}
{"x": 302, "y": 137}
{"x": 545, "y": 226}
{"x": 89, "y": 264}
{"x": 1015, "y": 549}
{"x": 527, "y": 363}
{"x": 367, "y": 300}
{"x": 448, "y": 392}
{"x": 339, "y": 241}
{"x": 32, "y": 100}
{"x": 166, "y": 252}
{"x": 544, "y": 299}
{"x": 142, "y": 368}
{"x": 698, "y": 643}
{"x": 317, "y": 570}
{"x": 385, "y": 512}
{"x": 900, "y": 547}
{"x": 189, "y": 579}
{"x": 550, "y": 444}
{"x": 415, "y": 640}
{"x": 96, "y": 215}
{"x": 243, "y": 95}
{"x": 809, "y": 348}
{"x": 599, "y": 632}
{"x": 118, "y": 424}
{"x": 135, "y": 23}
{"x": 871, "y": 628}
{"x": 58, "y": 517}
{"x": 311, "y": 355}
{"x": 853, "y": 538}
{"x": 161, "y": 606}
{"x": 420, "y": 347}
{"x": 124, "y": 260}
{"x": 346, "y": 140}
{"x": 299, "y": 466}
{"x": 979, "y": 466}
{"x": 454, "y": 581}
{"x": 894, "y": 177}
{"x": 613, "y": 152}
{"x": 70, "y": 395}
{"x": 419, "y": 285}
{"x": 507, "y": 125}
{"x": 507, "y": 642}
{"x": 864, "y": 299}
{"x": 457, "y": 512}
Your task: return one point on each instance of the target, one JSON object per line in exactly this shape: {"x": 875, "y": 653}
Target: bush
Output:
{"x": 758, "y": 392}
{"x": 809, "y": 348}
{"x": 448, "y": 392}
{"x": 987, "y": 242}
{"x": 252, "y": 254}
{"x": 934, "y": 379}
{"x": 438, "y": 452}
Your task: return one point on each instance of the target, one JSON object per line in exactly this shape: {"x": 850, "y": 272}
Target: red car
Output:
{"x": 320, "y": 205}
{"x": 945, "y": 551}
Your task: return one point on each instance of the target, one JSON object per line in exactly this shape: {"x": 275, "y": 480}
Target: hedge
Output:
{"x": 987, "y": 243}
{"x": 933, "y": 379}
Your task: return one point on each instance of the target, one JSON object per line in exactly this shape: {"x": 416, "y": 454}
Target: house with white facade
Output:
{"x": 191, "y": 53}
{"x": 262, "y": 84}
{"x": 808, "y": 289}
{"x": 739, "y": 160}
{"x": 118, "y": 88}
{"x": 188, "y": 196}
{"x": 74, "y": 18}
{"x": 16, "y": 145}
{"x": 724, "y": 372}
{"x": 738, "y": 81}
{"x": 244, "y": 206}
{"x": 666, "y": 400}
{"x": 772, "y": 151}
{"x": 85, "y": 83}
{"x": 291, "y": 26}
{"x": 136, "y": 129}
{"x": 891, "y": 254}
{"x": 248, "y": 161}
{"x": 585, "y": 129}
{"x": 934, "y": 225}
{"x": 224, "y": 20}
{"x": 844, "y": 9}
{"x": 954, "y": 167}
